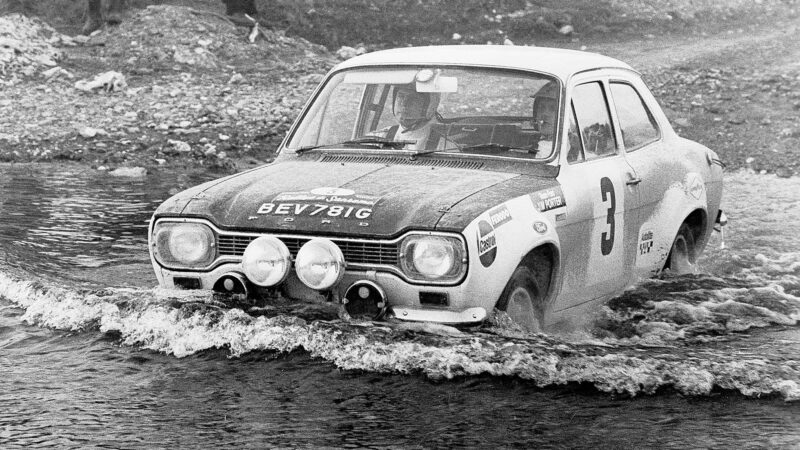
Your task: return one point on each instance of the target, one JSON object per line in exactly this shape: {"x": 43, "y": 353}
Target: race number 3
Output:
{"x": 607, "y": 193}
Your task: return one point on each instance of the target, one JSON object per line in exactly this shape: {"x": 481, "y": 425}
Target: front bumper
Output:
{"x": 404, "y": 300}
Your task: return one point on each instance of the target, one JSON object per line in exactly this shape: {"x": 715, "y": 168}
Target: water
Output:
{"x": 93, "y": 355}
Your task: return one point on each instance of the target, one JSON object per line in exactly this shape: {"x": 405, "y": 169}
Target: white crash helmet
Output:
{"x": 432, "y": 99}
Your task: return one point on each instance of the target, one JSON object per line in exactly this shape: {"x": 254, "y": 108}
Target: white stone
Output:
{"x": 131, "y": 172}
{"x": 180, "y": 146}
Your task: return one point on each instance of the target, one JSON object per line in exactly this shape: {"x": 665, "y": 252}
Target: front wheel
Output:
{"x": 522, "y": 300}
{"x": 682, "y": 257}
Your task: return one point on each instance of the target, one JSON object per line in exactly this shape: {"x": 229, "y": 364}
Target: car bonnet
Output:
{"x": 363, "y": 199}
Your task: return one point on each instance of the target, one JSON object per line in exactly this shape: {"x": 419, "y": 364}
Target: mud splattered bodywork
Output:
{"x": 530, "y": 180}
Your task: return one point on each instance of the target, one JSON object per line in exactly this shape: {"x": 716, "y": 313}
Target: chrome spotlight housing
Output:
{"x": 320, "y": 264}
{"x": 266, "y": 261}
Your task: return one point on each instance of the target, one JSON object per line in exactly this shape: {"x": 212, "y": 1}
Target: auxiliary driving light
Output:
{"x": 365, "y": 299}
{"x": 266, "y": 261}
{"x": 319, "y": 264}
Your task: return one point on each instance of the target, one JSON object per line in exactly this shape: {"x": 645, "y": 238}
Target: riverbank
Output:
{"x": 198, "y": 93}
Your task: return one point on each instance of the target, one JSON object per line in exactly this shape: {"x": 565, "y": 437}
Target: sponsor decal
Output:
{"x": 561, "y": 217}
{"x": 499, "y": 216}
{"x": 332, "y": 191}
{"x": 487, "y": 243}
{"x": 548, "y": 199}
{"x": 324, "y": 202}
{"x": 540, "y": 227}
{"x": 646, "y": 242}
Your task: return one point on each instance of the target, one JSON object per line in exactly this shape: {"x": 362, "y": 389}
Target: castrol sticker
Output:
{"x": 487, "y": 243}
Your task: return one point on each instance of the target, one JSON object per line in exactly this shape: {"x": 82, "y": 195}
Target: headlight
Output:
{"x": 430, "y": 257}
{"x": 187, "y": 245}
{"x": 266, "y": 261}
{"x": 319, "y": 264}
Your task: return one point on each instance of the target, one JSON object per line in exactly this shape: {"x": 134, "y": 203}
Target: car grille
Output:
{"x": 355, "y": 251}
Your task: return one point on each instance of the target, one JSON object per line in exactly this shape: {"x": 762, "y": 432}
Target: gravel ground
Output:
{"x": 199, "y": 94}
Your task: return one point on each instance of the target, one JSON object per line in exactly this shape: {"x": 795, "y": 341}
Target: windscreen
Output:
{"x": 432, "y": 109}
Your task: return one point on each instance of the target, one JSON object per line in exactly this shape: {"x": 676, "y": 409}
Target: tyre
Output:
{"x": 522, "y": 300}
{"x": 682, "y": 257}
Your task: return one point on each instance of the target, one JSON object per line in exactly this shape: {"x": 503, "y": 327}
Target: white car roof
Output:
{"x": 555, "y": 61}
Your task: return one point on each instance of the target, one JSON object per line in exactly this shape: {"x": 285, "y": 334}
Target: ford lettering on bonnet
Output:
{"x": 456, "y": 185}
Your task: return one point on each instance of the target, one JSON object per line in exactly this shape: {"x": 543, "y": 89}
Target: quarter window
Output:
{"x": 574, "y": 148}
{"x": 594, "y": 120}
{"x": 637, "y": 124}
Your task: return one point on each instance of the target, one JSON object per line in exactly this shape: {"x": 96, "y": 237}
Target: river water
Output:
{"x": 93, "y": 355}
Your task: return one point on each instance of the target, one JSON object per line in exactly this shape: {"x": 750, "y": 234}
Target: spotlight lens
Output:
{"x": 266, "y": 261}
{"x": 320, "y": 264}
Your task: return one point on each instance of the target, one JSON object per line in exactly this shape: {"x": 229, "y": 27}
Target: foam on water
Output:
{"x": 693, "y": 333}
{"x": 185, "y": 323}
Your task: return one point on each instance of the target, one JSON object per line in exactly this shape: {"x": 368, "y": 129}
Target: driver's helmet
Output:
{"x": 545, "y": 102}
{"x": 546, "y": 94}
{"x": 412, "y": 107}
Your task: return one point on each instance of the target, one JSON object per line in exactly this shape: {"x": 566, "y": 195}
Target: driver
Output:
{"x": 414, "y": 112}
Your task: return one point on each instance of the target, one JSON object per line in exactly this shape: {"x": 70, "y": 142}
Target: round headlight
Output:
{"x": 319, "y": 264}
{"x": 438, "y": 258}
{"x": 266, "y": 261}
{"x": 433, "y": 257}
{"x": 184, "y": 244}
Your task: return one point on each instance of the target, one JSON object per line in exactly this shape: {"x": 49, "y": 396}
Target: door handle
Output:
{"x": 633, "y": 181}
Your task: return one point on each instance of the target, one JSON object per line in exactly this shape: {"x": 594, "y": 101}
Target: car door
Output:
{"x": 598, "y": 238}
{"x": 655, "y": 169}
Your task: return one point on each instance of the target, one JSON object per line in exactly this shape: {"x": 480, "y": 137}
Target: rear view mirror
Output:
{"x": 432, "y": 81}
{"x": 439, "y": 84}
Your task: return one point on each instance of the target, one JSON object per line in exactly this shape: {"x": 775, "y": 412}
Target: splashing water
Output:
{"x": 734, "y": 327}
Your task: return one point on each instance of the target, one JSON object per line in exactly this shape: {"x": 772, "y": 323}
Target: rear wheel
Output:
{"x": 522, "y": 300}
{"x": 682, "y": 258}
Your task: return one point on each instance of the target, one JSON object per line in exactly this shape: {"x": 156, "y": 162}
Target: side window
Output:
{"x": 594, "y": 120}
{"x": 637, "y": 124}
{"x": 574, "y": 148}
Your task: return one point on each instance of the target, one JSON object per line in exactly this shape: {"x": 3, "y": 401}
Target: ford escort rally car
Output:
{"x": 447, "y": 184}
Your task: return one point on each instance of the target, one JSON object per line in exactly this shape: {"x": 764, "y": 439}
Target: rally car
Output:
{"x": 451, "y": 184}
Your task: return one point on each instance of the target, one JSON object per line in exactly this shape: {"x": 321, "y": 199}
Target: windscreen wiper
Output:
{"x": 487, "y": 146}
{"x": 500, "y": 148}
{"x": 484, "y": 146}
{"x": 379, "y": 141}
{"x": 372, "y": 142}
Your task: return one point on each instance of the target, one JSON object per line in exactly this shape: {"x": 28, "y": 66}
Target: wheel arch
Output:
{"x": 544, "y": 260}
{"x": 697, "y": 221}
